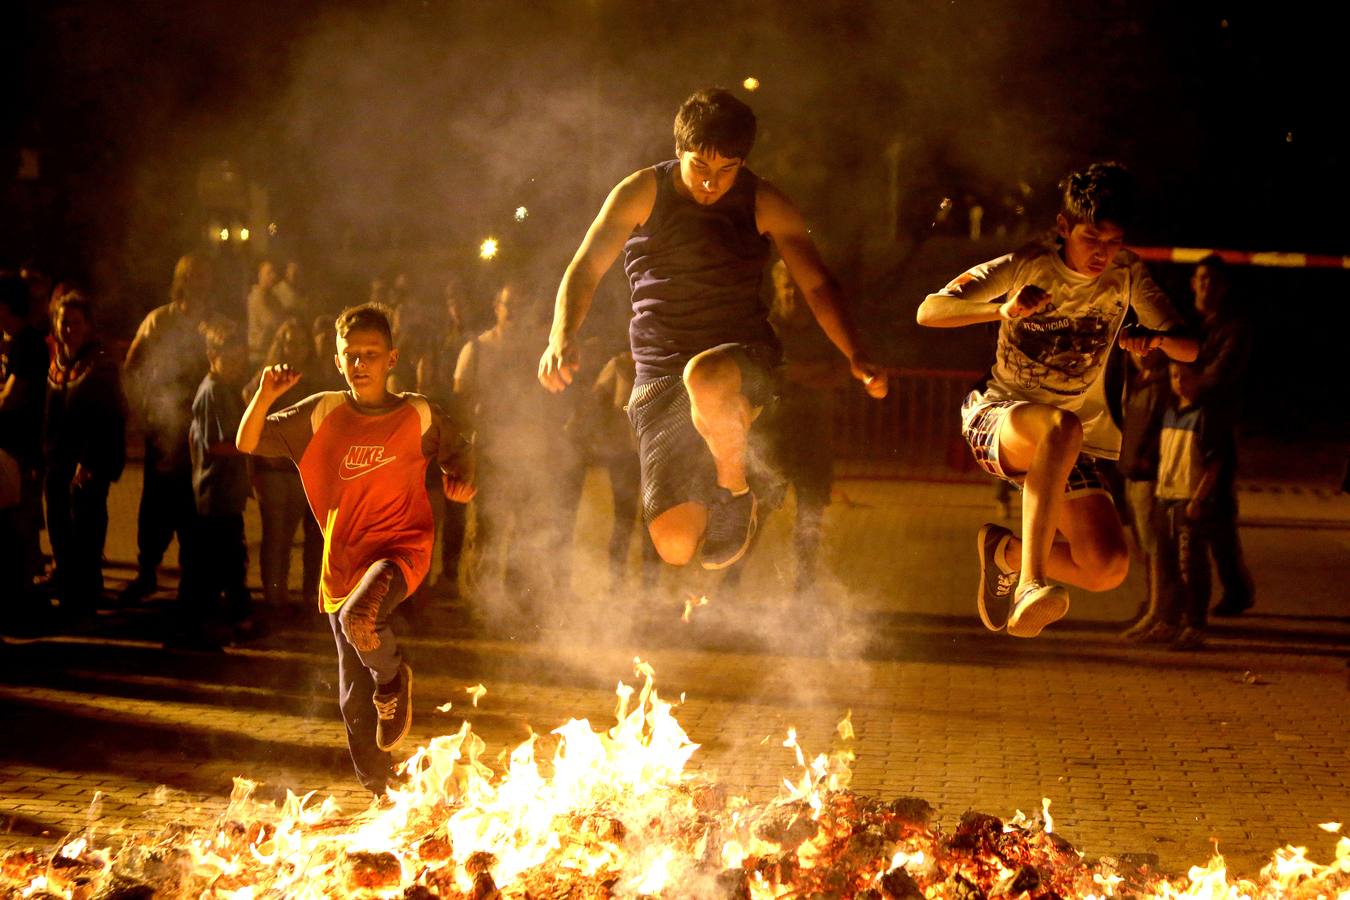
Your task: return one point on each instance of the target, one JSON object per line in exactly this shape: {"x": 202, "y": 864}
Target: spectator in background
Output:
{"x": 1225, "y": 348}
{"x": 328, "y": 378}
{"x": 611, "y": 443}
{"x": 379, "y": 290}
{"x": 84, "y": 438}
{"x": 164, "y": 366}
{"x": 1195, "y": 494}
{"x": 213, "y": 586}
{"x": 281, "y": 496}
{"x": 23, "y": 387}
{"x": 1147, "y": 397}
{"x": 436, "y": 379}
{"x": 266, "y": 311}
{"x": 290, "y": 291}
{"x": 521, "y": 553}
{"x": 803, "y": 422}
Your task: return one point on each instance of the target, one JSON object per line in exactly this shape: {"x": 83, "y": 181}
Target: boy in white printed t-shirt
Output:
{"x": 1042, "y": 420}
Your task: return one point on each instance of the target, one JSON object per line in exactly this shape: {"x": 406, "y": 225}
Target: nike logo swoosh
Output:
{"x": 365, "y": 470}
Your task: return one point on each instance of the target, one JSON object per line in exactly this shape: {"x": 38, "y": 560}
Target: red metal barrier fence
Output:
{"x": 913, "y": 434}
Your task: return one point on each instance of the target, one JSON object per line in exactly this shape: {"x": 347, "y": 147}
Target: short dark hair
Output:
{"x": 77, "y": 301}
{"x": 14, "y": 294}
{"x": 221, "y": 333}
{"x": 1103, "y": 192}
{"x": 1216, "y": 264}
{"x": 714, "y": 119}
{"x": 365, "y": 317}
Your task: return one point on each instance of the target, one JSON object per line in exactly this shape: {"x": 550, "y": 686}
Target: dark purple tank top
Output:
{"x": 695, "y": 272}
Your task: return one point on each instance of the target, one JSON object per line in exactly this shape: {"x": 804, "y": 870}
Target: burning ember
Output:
{"x": 615, "y": 814}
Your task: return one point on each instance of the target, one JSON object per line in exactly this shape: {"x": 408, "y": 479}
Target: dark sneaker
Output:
{"x": 1035, "y": 605}
{"x": 1160, "y": 633}
{"x": 137, "y": 589}
{"x": 1139, "y": 630}
{"x": 393, "y": 705}
{"x": 732, "y": 521}
{"x": 1228, "y": 609}
{"x": 1189, "y": 639}
{"x": 996, "y": 579}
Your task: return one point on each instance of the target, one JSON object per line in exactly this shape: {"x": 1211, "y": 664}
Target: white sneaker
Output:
{"x": 1035, "y": 606}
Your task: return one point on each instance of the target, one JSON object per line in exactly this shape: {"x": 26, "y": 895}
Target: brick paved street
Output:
{"x": 1138, "y": 750}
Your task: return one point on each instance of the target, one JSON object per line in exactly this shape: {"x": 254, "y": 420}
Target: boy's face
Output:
{"x": 1209, "y": 289}
{"x": 230, "y": 363}
{"x": 1183, "y": 380}
{"x": 707, "y": 174}
{"x": 73, "y": 329}
{"x": 365, "y": 358}
{"x": 1089, "y": 247}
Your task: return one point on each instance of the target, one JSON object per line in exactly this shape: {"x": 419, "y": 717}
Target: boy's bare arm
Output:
{"x": 981, "y": 295}
{"x": 779, "y": 218}
{"x": 629, "y": 204}
{"x": 1176, "y": 346}
{"x": 276, "y": 380}
{"x": 1208, "y": 479}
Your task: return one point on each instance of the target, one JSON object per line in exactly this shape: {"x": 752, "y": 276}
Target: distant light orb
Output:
{"x": 521, "y": 213}
{"x": 1289, "y": 137}
{"x": 488, "y": 248}
{"x": 223, "y": 234}
{"x": 243, "y": 234}
{"x": 751, "y": 83}
{"x": 272, "y": 229}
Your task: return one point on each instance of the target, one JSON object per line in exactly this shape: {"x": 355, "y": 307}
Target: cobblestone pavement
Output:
{"x": 1138, "y": 750}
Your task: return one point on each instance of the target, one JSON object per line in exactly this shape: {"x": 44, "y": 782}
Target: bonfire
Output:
{"x": 616, "y": 813}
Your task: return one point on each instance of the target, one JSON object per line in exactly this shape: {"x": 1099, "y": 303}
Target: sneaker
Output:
{"x": 1136, "y": 632}
{"x": 393, "y": 705}
{"x": 1035, "y": 605}
{"x": 732, "y": 520}
{"x": 1160, "y": 633}
{"x": 1188, "y": 639}
{"x": 137, "y": 589}
{"x": 1227, "y": 609}
{"x": 996, "y": 579}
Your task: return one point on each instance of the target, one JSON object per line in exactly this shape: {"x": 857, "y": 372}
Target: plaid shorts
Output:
{"x": 676, "y": 464}
{"x": 981, "y": 420}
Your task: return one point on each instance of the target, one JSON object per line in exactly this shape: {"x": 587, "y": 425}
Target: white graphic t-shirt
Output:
{"x": 1058, "y": 355}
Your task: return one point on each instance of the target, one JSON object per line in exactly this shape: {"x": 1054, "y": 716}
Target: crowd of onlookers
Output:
{"x": 69, "y": 405}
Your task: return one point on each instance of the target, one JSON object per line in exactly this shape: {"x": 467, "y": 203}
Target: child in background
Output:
{"x": 213, "y": 581}
{"x": 1195, "y": 480}
{"x": 362, "y": 455}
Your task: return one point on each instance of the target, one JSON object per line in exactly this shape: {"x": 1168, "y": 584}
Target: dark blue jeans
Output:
{"x": 359, "y": 670}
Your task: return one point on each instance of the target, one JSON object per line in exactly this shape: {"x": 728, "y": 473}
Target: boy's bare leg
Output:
{"x": 1042, "y": 441}
{"x": 721, "y": 414}
{"x": 677, "y": 531}
{"x": 1092, "y": 553}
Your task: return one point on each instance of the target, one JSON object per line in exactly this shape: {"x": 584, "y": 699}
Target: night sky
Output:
{"x": 415, "y": 128}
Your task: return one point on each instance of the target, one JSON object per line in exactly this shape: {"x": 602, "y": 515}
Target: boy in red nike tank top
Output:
{"x": 362, "y": 455}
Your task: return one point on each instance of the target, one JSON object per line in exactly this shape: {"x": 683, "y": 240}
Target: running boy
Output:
{"x": 362, "y": 455}
{"x": 1042, "y": 420}
{"x": 696, "y": 232}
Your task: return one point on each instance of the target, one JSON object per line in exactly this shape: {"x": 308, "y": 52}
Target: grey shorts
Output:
{"x": 981, "y": 420}
{"x": 676, "y": 464}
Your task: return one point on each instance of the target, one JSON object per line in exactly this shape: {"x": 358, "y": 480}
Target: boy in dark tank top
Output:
{"x": 696, "y": 234}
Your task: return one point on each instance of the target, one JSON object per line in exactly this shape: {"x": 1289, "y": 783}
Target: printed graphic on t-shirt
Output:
{"x": 1059, "y": 353}
{"x": 362, "y": 460}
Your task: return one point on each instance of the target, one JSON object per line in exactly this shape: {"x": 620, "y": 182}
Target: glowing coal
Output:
{"x": 615, "y": 813}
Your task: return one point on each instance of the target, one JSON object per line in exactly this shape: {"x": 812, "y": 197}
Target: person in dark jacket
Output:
{"x": 84, "y": 439}
{"x": 1225, "y": 347}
